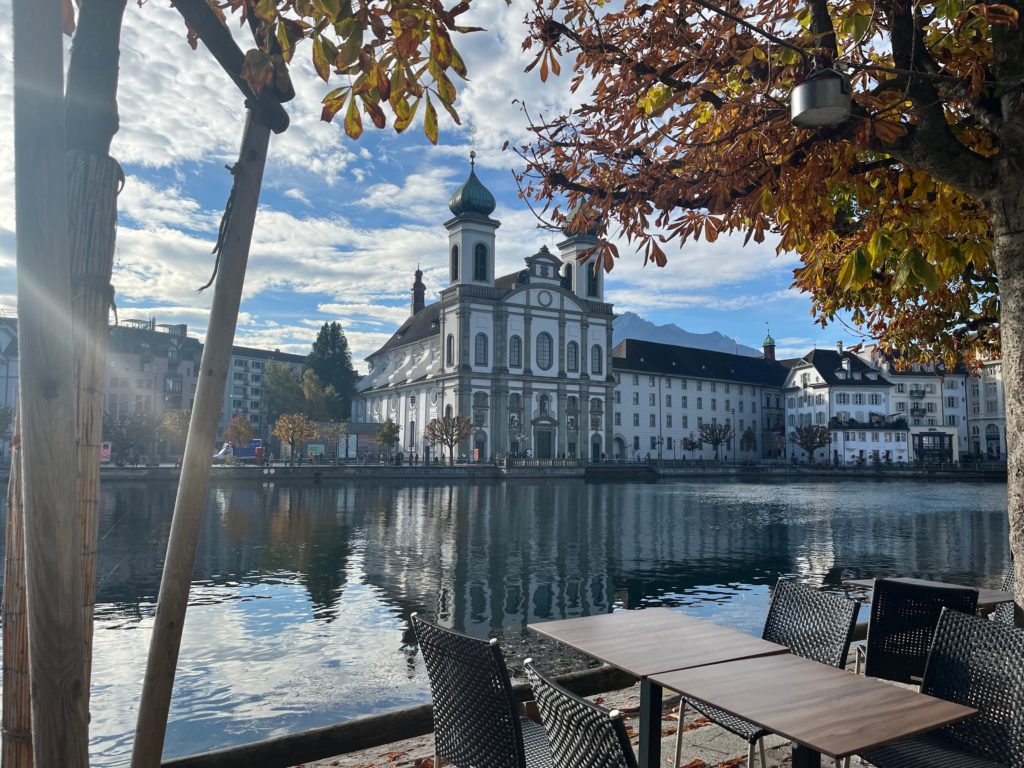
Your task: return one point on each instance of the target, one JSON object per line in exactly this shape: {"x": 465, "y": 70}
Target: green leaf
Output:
{"x": 353, "y": 122}
{"x": 924, "y": 272}
{"x": 430, "y": 122}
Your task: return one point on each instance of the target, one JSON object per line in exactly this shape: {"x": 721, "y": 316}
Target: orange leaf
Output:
{"x": 353, "y": 123}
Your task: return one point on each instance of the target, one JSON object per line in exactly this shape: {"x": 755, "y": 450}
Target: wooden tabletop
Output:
{"x": 824, "y": 708}
{"x": 655, "y": 640}
{"x": 987, "y": 598}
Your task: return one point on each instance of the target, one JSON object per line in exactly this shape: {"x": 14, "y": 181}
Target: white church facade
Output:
{"x": 526, "y": 356}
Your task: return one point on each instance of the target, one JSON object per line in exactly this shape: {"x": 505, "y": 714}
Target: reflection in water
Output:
{"x": 301, "y": 596}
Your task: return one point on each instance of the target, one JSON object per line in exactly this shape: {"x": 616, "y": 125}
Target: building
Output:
{"x": 664, "y": 393}
{"x": 986, "y": 417}
{"x": 526, "y": 356}
{"x": 152, "y": 368}
{"x": 243, "y": 391}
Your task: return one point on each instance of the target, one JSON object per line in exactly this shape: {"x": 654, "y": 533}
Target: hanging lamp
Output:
{"x": 823, "y": 99}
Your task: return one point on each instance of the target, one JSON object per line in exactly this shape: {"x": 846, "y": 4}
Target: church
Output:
{"x": 526, "y": 356}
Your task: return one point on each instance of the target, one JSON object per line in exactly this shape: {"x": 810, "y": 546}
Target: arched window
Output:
{"x": 448, "y": 412}
{"x": 543, "y": 404}
{"x": 572, "y": 357}
{"x": 514, "y": 402}
{"x": 515, "y": 352}
{"x": 449, "y": 350}
{"x": 480, "y": 262}
{"x": 592, "y": 279}
{"x": 479, "y": 399}
{"x": 480, "y": 353}
{"x": 572, "y": 404}
{"x": 567, "y": 277}
{"x": 544, "y": 343}
{"x": 596, "y": 357}
{"x": 455, "y": 263}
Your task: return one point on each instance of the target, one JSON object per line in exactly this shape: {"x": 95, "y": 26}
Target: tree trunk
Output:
{"x": 194, "y": 481}
{"x": 46, "y": 391}
{"x": 1008, "y": 252}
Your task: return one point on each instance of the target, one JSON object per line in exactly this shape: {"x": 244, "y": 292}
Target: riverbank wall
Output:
{"x": 561, "y": 469}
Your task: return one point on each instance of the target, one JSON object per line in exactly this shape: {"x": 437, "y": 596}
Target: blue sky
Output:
{"x": 343, "y": 224}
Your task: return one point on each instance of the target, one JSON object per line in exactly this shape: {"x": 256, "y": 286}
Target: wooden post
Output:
{"x": 47, "y": 391}
{"x": 195, "y": 469}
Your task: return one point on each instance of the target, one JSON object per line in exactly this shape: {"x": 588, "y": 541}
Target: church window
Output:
{"x": 480, "y": 353}
{"x": 543, "y": 403}
{"x": 455, "y": 263}
{"x": 448, "y": 412}
{"x": 449, "y": 350}
{"x": 596, "y": 358}
{"x": 544, "y": 343}
{"x": 572, "y": 357}
{"x": 514, "y": 402}
{"x": 592, "y": 279}
{"x": 480, "y": 262}
{"x": 567, "y": 277}
{"x": 479, "y": 399}
{"x": 515, "y": 352}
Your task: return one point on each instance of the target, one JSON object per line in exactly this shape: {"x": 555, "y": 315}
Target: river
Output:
{"x": 299, "y": 609}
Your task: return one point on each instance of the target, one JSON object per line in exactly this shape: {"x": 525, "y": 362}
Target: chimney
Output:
{"x": 418, "y": 291}
{"x": 839, "y": 347}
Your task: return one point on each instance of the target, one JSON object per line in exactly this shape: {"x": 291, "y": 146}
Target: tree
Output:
{"x": 448, "y": 431}
{"x": 238, "y": 432}
{"x": 332, "y": 362}
{"x": 909, "y": 216}
{"x": 716, "y": 434}
{"x": 129, "y": 434}
{"x": 294, "y": 429}
{"x": 332, "y": 432}
{"x": 690, "y": 444}
{"x": 387, "y": 435}
{"x": 315, "y": 398}
{"x": 174, "y": 427}
{"x": 282, "y": 391}
{"x": 811, "y": 437}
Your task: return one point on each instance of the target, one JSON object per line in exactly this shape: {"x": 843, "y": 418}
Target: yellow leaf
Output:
{"x": 353, "y": 122}
{"x": 320, "y": 63}
{"x": 430, "y": 122}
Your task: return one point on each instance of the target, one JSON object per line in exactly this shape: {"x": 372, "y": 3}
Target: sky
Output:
{"x": 343, "y": 224}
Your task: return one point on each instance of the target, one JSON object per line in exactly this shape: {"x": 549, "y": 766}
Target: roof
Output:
{"x": 651, "y": 357}
{"x": 827, "y": 362}
{"x": 422, "y": 325}
{"x": 472, "y": 197}
{"x": 268, "y": 354}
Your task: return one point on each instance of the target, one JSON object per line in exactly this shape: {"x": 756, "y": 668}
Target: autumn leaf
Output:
{"x": 353, "y": 123}
{"x": 320, "y": 61}
{"x": 430, "y": 122}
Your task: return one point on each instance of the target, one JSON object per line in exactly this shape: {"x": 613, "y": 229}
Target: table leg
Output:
{"x": 650, "y": 724}
{"x": 804, "y": 757}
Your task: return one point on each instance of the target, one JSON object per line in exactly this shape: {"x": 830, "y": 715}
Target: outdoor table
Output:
{"x": 987, "y": 598}
{"x": 650, "y": 641}
{"x": 821, "y": 709}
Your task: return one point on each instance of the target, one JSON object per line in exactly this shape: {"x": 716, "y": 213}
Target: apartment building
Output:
{"x": 243, "y": 392}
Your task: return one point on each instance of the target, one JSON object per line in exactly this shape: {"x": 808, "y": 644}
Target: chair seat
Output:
{"x": 927, "y": 751}
{"x": 535, "y": 744}
{"x": 742, "y": 728}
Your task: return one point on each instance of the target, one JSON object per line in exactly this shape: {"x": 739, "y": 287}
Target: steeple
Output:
{"x": 769, "y": 346}
{"x": 418, "y": 291}
{"x": 472, "y": 198}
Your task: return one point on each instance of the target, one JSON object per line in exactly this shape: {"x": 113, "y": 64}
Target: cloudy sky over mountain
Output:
{"x": 343, "y": 224}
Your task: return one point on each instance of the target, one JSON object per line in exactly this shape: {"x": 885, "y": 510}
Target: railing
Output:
{"x": 918, "y": 393}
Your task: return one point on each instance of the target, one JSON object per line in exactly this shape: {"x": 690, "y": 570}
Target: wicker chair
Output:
{"x": 980, "y": 664}
{"x": 903, "y": 619}
{"x": 582, "y": 734}
{"x": 1004, "y": 611}
{"x": 476, "y": 721}
{"x": 812, "y": 624}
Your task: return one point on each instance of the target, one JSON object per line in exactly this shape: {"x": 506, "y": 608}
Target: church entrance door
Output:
{"x": 544, "y": 443}
{"x": 595, "y": 448}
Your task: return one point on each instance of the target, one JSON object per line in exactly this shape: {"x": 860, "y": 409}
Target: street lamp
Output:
{"x": 732, "y": 424}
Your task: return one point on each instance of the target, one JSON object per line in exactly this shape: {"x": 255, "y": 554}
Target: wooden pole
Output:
{"x": 17, "y": 704}
{"x": 195, "y": 469}
{"x": 47, "y": 391}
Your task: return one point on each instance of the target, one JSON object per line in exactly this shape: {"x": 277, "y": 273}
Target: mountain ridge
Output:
{"x": 629, "y": 325}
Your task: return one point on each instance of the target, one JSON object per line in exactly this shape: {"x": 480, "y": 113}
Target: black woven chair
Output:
{"x": 813, "y": 624}
{"x": 980, "y": 664}
{"x": 903, "y": 619}
{"x": 1004, "y": 611}
{"x": 582, "y": 734}
{"x": 476, "y": 720}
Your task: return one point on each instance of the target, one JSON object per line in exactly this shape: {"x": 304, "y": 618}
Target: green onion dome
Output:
{"x": 472, "y": 196}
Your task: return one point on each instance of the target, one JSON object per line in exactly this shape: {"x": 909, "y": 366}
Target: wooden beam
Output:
{"x": 217, "y": 38}
{"x": 47, "y": 390}
{"x": 194, "y": 481}
{"x": 373, "y": 731}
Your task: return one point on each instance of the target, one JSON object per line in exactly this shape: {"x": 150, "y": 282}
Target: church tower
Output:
{"x": 585, "y": 279}
{"x": 471, "y": 232}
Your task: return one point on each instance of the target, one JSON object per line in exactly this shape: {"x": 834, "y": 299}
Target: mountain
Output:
{"x": 630, "y": 325}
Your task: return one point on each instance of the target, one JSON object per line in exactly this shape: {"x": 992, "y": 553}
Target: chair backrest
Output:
{"x": 980, "y": 664}
{"x": 903, "y": 619}
{"x": 475, "y": 718}
{"x": 813, "y": 624}
{"x": 582, "y": 734}
{"x": 1004, "y": 611}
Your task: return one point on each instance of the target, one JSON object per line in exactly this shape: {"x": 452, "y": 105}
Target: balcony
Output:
{"x": 918, "y": 412}
{"x": 917, "y": 393}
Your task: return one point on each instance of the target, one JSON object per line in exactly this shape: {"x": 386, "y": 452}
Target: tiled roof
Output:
{"x": 422, "y": 325}
{"x": 669, "y": 359}
{"x": 827, "y": 362}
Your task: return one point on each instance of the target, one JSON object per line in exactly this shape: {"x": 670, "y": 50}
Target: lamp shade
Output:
{"x": 820, "y": 100}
